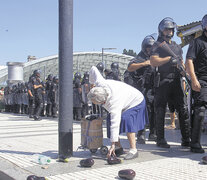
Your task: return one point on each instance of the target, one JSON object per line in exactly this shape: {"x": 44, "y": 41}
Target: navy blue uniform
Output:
{"x": 197, "y": 52}
{"x": 170, "y": 90}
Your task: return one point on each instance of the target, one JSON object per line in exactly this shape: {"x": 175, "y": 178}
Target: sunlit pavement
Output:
{"x": 21, "y": 137}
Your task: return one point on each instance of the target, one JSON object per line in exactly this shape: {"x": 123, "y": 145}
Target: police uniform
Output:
{"x": 169, "y": 90}
{"x": 197, "y": 52}
{"x": 143, "y": 81}
{"x": 31, "y": 98}
{"x": 49, "y": 96}
{"x": 77, "y": 99}
{"x": 55, "y": 96}
{"x": 38, "y": 93}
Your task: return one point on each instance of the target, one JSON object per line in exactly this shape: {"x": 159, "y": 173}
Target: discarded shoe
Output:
{"x": 87, "y": 162}
{"x": 127, "y": 174}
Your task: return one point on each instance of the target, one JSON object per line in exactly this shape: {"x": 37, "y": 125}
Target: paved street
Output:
{"x": 22, "y": 137}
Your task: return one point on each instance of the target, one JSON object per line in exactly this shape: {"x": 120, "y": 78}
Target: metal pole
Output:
{"x": 65, "y": 125}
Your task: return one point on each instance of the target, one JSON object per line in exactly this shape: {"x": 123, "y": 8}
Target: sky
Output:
{"x": 30, "y": 27}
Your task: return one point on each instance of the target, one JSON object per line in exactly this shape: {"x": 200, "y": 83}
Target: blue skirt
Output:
{"x": 132, "y": 120}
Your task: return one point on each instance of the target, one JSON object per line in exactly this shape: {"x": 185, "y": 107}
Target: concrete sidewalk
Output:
{"x": 21, "y": 137}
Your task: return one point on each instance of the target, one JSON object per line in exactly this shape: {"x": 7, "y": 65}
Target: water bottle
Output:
{"x": 41, "y": 159}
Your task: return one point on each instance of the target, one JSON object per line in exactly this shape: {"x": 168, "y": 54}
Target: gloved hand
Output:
{"x": 174, "y": 61}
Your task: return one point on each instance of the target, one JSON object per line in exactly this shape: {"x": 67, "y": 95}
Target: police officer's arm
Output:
{"x": 30, "y": 93}
{"x": 190, "y": 70}
{"x": 134, "y": 66}
{"x": 37, "y": 86}
{"x": 155, "y": 60}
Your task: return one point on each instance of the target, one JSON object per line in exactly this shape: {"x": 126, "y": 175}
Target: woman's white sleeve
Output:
{"x": 115, "y": 125}
{"x": 95, "y": 77}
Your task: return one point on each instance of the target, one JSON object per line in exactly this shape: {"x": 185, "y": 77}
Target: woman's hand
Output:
{"x": 111, "y": 150}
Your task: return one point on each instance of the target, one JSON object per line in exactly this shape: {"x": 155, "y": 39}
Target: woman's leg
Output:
{"x": 132, "y": 141}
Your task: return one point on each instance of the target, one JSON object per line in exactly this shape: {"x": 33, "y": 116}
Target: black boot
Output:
{"x": 31, "y": 112}
{"x": 195, "y": 145}
{"x": 49, "y": 110}
{"x": 152, "y": 136}
{"x": 160, "y": 122}
{"x": 141, "y": 137}
{"x": 38, "y": 111}
{"x": 184, "y": 127}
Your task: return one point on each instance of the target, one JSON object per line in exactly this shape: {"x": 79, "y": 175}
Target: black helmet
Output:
{"x": 204, "y": 22}
{"x": 77, "y": 75}
{"x": 37, "y": 73}
{"x": 86, "y": 75}
{"x": 100, "y": 66}
{"x": 148, "y": 42}
{"x": 49, "y": 77}
{"x": 55, "y": 78}
{"x": 166, "y": 23}
{"x": 114, "y": 65}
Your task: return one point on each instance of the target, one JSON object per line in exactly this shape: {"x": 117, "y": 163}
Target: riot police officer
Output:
{"x": 196, "y": 65}
{"x": 85, "y": 86}
{"x": 48, "y": 95}
{"x": 38, "y": 92}
{"x": 55, "y": 96}
{"x": 142, "y": 74}
{"x": 114, "y": 72}
{"x": 31, "y": 96}
{"x": 168, "y": 82}
{"x": 128, "y": 77}
{"x": 77, "y": 97}
{"x": 100, "y": 67}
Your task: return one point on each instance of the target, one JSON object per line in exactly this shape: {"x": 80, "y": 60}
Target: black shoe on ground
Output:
{"x": 152, "y": 137}
{"x": 197, "y": 150}
{"x": 37, "y": 118}
{"x": 163, "y": 143}
{"x": 185, "y": 144}
{"x": 31, "y": 116}
{"x": 141, "y": 139}
{"x": 119, "y": 151}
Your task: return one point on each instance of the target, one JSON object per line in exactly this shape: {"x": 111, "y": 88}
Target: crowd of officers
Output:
{"x": 157, "y": 71}
{"x": 160, "y": 74}
{"x": 81, "y": 87}
{"x": 35, "y": 97}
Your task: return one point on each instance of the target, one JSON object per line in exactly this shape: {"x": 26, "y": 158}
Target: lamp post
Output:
{"x": 103, "y": 54}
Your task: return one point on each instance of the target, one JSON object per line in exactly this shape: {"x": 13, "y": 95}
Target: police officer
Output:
{"x": 48, "y": 95}
{"x": 85, "y": 85}
{"x": 31, "y": 96}
{"x": 142, "y": 74}
{"x": 77, "y": 97}
{"x": 128, "y": 77}
{"x": 168, "y": 83}
{"x": 100, "y": 67}
{"x": 115, "y": 72}
{"x": 38, "y": 92}
{"x": 196, "y": 65}
{"x": 55, "y": 96}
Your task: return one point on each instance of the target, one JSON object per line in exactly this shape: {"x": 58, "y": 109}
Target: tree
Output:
{"x": 130, "y": 52}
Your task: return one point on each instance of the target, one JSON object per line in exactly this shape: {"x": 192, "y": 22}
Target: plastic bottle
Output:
{"x": 41, "y": 159}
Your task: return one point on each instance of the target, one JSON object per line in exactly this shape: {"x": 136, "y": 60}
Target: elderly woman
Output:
{"x": 126, "y": 107}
